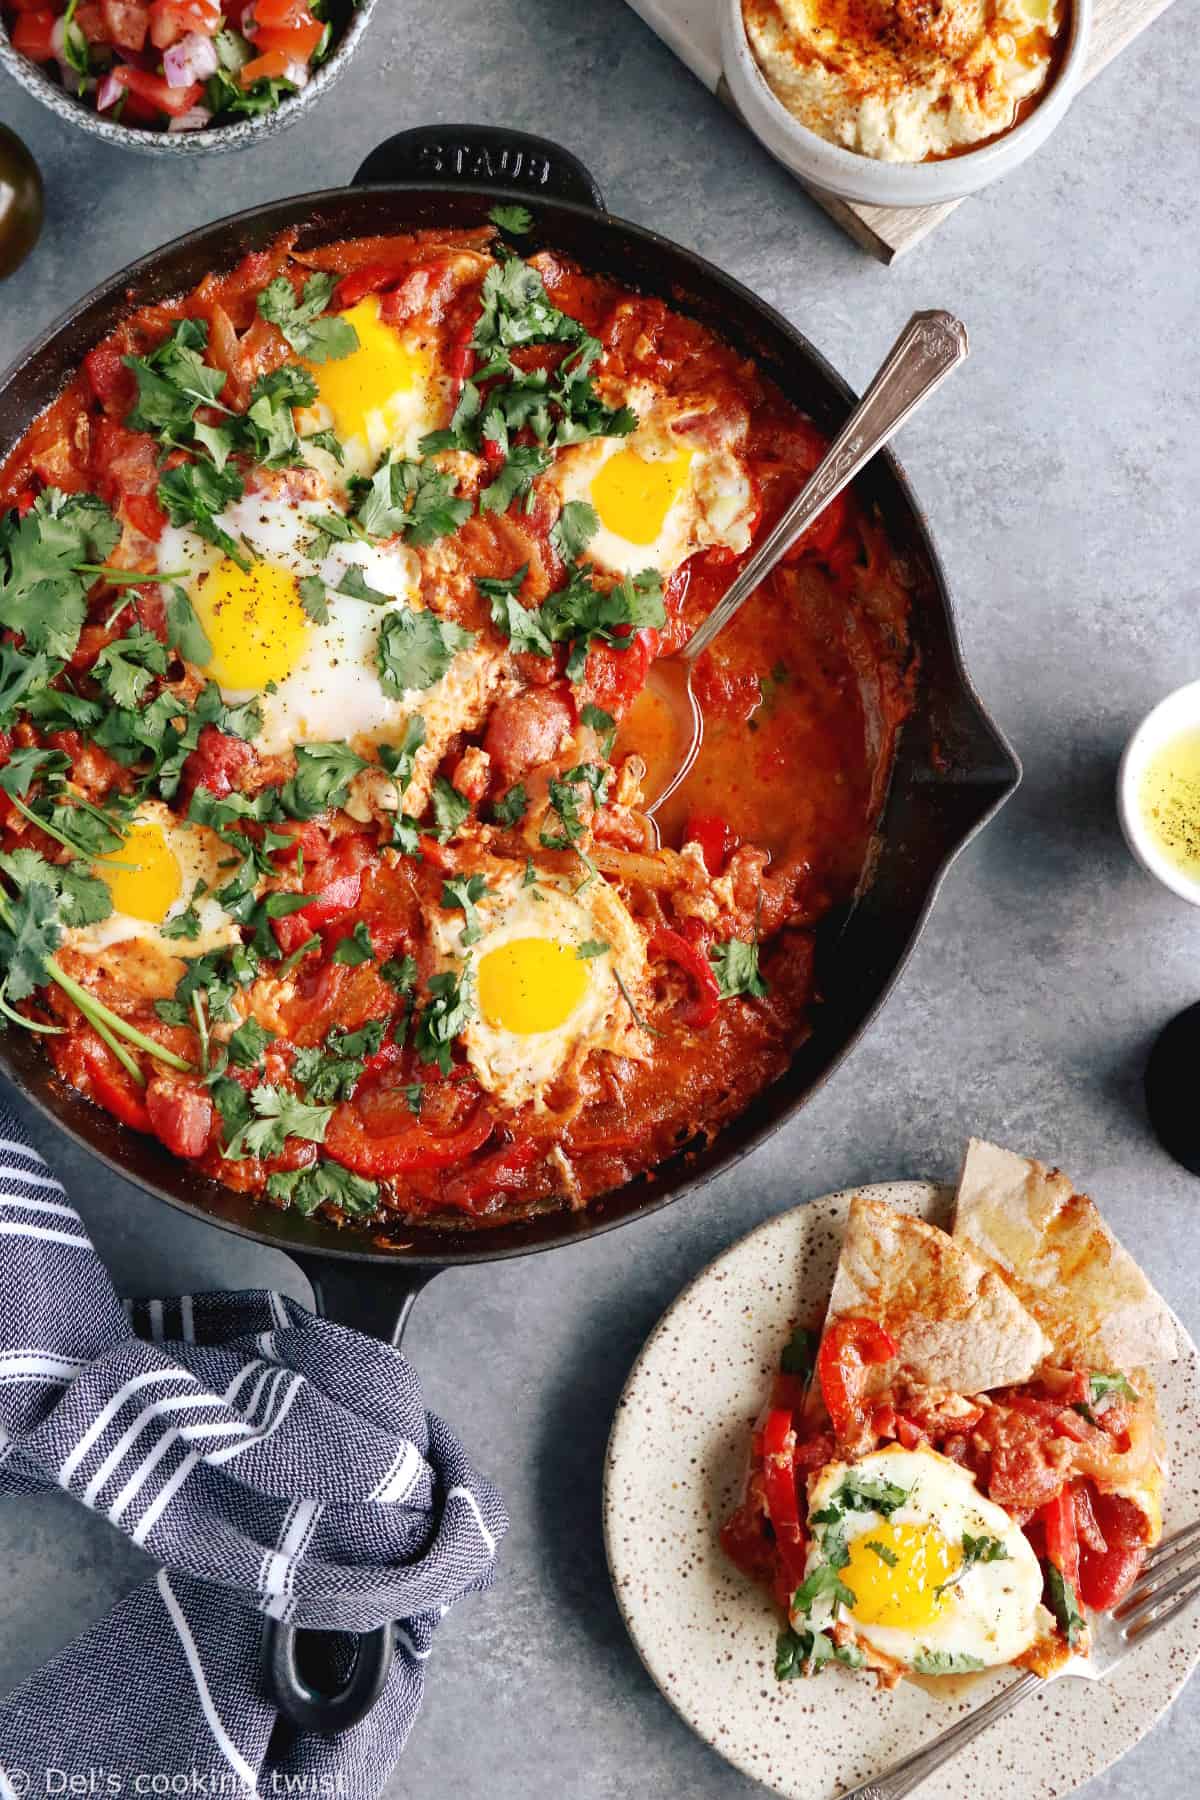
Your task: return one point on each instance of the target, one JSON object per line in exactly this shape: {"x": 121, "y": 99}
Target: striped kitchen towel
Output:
{"x": 271, "y": 1463}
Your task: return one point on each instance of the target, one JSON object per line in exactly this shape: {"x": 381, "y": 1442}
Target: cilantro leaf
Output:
{"x": 822, "y": 1583}
{"x": 322, "y": 779}
{"x": 400, "y": 759}
{"x": 267, "y": 430}
{"x": 354, "y": 583}
{"x": 805, "y": 1652}
{"x": 312, "y": 598}
{"x": 184, "y": 629}
{"x": 126, "y": 667}
{"x": 735, "y": 965}
{"x": 521, "y": 625}
{"x": 1064, "y": 1605}
{"x": 400, "y": 972}
{"x": 870, "y": 1493}
{"x": 173, "y": 381}
{"x": 517, "y": 219}
{"x": 319, "y": 339}
{"x": 279, "y": 1115}
{"x": 525, "y": 463}
{"x": 355, "y": 948}
{"x": 410, "y": 497}
{"x": 1102, "y": 1387}
{"x": 450, "y": 809}
{"x": 945, "y": 1662}
{"x": 602, "y": 723}
{"x": 799, "y": 1354}
{"x": 465, "y": 891}
{"x": 416, "y": 649}
{"x": 510, "y": 809}
{"x": 450, "y": 1009}
{"x": 194, "y": 493}
{"x": 248, "y": 1044}
{"x": 574, "y": 529}
{"x": 42, "y": 596}
{"x": 22, "y": 680}
{"x": 325, "y": 1184}
{"x": 591, "y": 947}
{"x": 565, "y": 794}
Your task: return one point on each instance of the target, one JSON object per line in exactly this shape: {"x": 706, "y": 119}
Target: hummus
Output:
{"x": 905, "y": 80}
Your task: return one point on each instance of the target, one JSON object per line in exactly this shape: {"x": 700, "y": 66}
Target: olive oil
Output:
{"x": 1169, "y": 801}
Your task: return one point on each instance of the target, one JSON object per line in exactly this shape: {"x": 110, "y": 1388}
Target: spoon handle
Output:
{"x": 929, "y": 347}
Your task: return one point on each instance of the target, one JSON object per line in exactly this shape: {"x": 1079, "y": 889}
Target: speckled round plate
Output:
{"x": 673, "y": 1471}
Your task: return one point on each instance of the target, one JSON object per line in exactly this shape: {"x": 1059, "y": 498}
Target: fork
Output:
{"x": 1169, "y": 1582}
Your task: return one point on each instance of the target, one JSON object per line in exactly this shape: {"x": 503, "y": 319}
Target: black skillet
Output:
{"x": 953, "y": 767}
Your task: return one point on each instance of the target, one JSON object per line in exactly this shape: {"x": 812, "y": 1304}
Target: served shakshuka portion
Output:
{"x": 966, "y": 1462}
{"x": 328, "y": 595}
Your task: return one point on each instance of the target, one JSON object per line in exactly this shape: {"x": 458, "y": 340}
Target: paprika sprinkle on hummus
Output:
{"x": 906, "y": 80}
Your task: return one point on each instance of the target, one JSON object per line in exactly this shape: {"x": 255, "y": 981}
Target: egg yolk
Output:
{"x": 149, "y": 888}
{"x": 895, "y": 1571}
{"x": 633, "y": 495}
{"x": 356, "y": 386}
{"x": 530, "y": 984}
{"x": 254, "y": 621}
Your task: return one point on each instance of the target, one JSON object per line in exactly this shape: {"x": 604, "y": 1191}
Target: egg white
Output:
{"x": 198, "y": 854}
{"x": 331, "y": 689}
{"x": 991, "y": 1613}
{"x": 518, "y": 1067}
{"x": 712, "y": 502}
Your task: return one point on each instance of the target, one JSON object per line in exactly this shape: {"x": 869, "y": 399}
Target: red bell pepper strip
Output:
{"x": 497, "y": 1174}
{"x": 716, "y": 839}
{"x": 112, "y": 1087}
{"x": 348, "y": 1141}
{"x": 670, "y": 946}
{"x": 1106, "y": 1576}
{"x": 360, "y": 282}
{"x": 848, "y": 1347}
{"x": 1062, "y": 1545}
{"x": 339, "y": 896}
{"x": 779, "y": 1487}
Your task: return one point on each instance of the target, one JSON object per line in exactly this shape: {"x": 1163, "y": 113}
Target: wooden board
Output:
{"x": 691, "y": 28}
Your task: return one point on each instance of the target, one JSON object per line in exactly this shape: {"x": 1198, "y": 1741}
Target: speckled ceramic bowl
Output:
{"x": 854, "y": 177}
{"x": 238, "y": 135}
{"x": 675, "y": 1465}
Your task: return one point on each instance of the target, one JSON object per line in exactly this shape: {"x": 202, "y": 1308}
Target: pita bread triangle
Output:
{"x": 957, "y": 1323}
{"x": 1051, "y": 1245}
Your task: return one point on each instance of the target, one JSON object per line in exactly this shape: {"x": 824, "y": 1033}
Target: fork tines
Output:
{"x": 1169, "y": 1581}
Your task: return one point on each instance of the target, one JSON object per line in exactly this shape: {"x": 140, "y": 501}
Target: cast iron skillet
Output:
{"x": 953, "y": 767}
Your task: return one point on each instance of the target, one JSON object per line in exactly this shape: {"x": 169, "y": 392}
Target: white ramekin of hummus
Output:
{"x": 903, "y": 102}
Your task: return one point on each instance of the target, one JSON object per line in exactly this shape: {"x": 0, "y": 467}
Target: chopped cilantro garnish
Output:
{"x": 319, "y": 339}
{"x": 517, "y": 219}
{"x": 278, "y": 1115}
{"x": 510, "y": 809}
{"x": 355, "y": 948}
{"x": 466, "y": 891}
{"x": 416, "y": 649}
{"x": 325, "y": 1184}
{"x": 450, "y": 1009}
{"x": 735, "y": 964}
{"x": 450, "y": 809}
{"x": 322, "y": 779}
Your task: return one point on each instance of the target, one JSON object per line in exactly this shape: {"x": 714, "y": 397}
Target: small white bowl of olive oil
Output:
{"x": 1158, "y": 792}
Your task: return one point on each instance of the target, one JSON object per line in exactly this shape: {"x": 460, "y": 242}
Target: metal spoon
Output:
{"x": 929, "y": 347}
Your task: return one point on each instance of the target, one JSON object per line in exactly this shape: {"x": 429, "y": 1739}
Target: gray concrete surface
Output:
{"x": 1061, "y": 473}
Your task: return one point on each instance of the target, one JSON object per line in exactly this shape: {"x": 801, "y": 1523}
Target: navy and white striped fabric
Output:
{"x": 270, "y": 1462}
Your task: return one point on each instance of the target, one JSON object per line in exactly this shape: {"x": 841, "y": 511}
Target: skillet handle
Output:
{"x": 483, "y": 156}
{"x": 378, "y": 1301}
